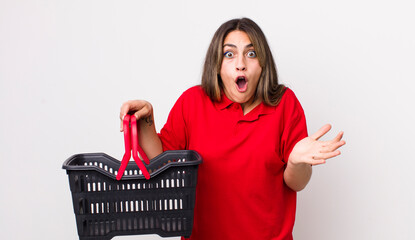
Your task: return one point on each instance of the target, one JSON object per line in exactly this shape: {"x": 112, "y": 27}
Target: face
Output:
{"x": 240, "y": 70}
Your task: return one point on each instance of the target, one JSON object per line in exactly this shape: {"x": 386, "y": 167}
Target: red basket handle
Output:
{"x": 128, "y": 137}
{"x": 127, "y": 143}
{"x": 135, "y": 130}
{"x": 137, "y": 148}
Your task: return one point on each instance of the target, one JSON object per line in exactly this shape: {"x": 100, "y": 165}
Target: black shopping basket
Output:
{"x": 105, "y": 207}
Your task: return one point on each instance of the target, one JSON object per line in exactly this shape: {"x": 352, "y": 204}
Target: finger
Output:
{"x": 313, "y": 161}
{"x": 125, "y": 108}
{"x": 318, "y": 162}
{"x": 338, "y": 137}
{"x": 332, "y": 146}
{"x": 325, "y": 156}
{"x": 321, "y": 132}
{"x": 142, "y": 113}
{"x": 122, "y": 123}
{"x": 123, "y": 111}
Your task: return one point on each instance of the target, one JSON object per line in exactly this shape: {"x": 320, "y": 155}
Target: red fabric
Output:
{"x": 240, "y": 192}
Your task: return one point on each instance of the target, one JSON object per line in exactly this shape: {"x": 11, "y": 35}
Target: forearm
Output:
{"x": 148, "y": 138}
{"x": 296, "y": 176}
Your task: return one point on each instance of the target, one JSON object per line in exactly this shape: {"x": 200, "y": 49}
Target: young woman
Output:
{"x": 251, "y": 133}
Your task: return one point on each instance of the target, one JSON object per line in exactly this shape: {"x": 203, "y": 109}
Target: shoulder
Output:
{"x": 192, "y": 97}
{"x": 195, "y": 93}
{"x": 289, "y": 97}
{"x": 290, "y": 104}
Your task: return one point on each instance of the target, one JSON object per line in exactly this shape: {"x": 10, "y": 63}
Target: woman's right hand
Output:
{"x": 141, "y": 109}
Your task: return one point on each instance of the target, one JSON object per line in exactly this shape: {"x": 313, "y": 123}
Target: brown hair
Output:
{"x": 268, "y": 90}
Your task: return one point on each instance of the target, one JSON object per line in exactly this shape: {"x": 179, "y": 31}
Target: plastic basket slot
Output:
{"x": 121, "y": 206}
{"x": 83, "y": 230}
{"x": 173, "y": 224}
{"x": 95, "y": 208}
{"x": 94, "y": 229}
{"x": 147, "y": 223}
{"x": 171, "y": 207}
{"x": 123, "y": 224}
{"x": 78, "y": 183}
{"x": 129, "y": 224}
{"x": 137, "y": 206}
{"x": 127, "y": 209}
{"x": 132, "y": 209}
{"x": 81, "y": 206}
{"x": 108, "y": 226}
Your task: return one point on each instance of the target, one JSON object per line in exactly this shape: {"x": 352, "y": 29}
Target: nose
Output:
{"x": 240, "y": 63}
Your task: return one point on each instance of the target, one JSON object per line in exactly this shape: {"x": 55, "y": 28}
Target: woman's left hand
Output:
{"x": 314, "y": 152}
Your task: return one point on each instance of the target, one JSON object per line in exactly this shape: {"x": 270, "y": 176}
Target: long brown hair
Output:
{"x": 268, "y": 90}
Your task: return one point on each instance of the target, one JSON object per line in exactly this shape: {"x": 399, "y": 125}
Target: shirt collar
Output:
{"x": 261, "y": 109}
{"x": 224, "y": 102}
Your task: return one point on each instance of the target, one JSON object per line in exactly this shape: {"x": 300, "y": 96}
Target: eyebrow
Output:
{"x": 234, "y": 46}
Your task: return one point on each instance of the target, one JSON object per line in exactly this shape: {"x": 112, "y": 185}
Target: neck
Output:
{"x": 249, "y": 106}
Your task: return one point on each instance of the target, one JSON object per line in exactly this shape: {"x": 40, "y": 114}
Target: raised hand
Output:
{"x": 314, "y": 152}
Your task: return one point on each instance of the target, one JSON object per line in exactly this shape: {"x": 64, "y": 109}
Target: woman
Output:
{"x": 251, "y": 133}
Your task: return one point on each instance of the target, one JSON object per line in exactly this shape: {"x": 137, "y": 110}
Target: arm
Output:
{"x": 309, "y": 152}
{"x": 148, "y": 138}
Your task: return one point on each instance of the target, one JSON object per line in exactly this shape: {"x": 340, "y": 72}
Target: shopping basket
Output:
{"x": 105, "y": 207}
{"x": 156, "y": 198}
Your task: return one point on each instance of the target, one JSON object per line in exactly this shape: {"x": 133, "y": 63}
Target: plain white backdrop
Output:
{"x": 67, "y": 66}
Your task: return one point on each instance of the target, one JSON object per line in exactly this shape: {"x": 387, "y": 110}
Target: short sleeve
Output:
{"x": 173, "y": 135}
{"x": 295, "y": 126}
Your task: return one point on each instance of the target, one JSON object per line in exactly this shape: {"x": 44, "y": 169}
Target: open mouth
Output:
{"x": 241, "y": 83}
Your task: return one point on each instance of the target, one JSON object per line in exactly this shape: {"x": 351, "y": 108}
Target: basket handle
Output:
{"x": 135, "y": 130}
{"x": 132, "y": 135}
{"x": 137, "y": 148}
{"x": 127, "y": 154}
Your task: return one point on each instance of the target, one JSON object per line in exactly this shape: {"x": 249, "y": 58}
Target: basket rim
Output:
{"x": 166, "y": 154}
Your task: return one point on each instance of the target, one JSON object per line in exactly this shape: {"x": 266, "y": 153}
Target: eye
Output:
{"x": 251, "y": 54}
{"x": 228, "y": 54}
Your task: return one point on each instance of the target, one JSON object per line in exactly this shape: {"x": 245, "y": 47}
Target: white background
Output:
{"x": 67, "y": 66}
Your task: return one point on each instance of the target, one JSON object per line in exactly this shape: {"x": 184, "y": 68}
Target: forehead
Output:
{"x": 237, "y": 37}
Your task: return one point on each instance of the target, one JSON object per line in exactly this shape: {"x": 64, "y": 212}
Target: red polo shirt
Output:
{"x": 240, "y": 192}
